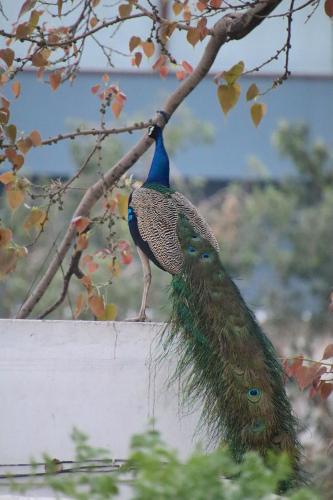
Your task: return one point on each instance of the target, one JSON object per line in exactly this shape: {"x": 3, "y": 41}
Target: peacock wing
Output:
{"x": 199, "y": 224}
{"x": 157, "y": 216}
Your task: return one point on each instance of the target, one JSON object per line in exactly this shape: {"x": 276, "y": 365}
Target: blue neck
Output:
{"x": 159, "y": 170}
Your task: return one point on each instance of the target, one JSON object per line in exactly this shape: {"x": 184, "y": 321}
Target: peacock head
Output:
{"x": 154, "y": 131}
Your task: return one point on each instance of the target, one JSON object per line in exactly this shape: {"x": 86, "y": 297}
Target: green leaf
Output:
{"x": 232, "y": 75}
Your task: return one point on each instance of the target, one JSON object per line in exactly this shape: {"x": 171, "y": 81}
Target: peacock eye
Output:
{"x": 254, "y": 394}
{"x": 192, "y": 249}
{"x": 194, "y": 237}
{"x": 258, "y": 426}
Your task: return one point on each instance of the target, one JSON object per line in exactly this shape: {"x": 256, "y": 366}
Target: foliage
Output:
{"x": 155, "y": 471}
{"x": 51, "y": 39}
{"x": 284, "y": 227}
{"x": 105, "y": 247}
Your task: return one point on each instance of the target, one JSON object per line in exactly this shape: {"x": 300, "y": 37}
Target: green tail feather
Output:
{"x": 225, "y": 359}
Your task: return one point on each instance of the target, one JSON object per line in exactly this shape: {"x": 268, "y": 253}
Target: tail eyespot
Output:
{"x": 254, "y": 394}
{"x": 191, "y": 250}
{"x": 258, "y": 426}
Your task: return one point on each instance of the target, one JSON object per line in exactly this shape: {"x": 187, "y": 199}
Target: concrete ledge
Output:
{"x": 98, "y": 376}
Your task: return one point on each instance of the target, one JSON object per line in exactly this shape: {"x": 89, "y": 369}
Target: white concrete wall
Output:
{"x": 98, "y": 376}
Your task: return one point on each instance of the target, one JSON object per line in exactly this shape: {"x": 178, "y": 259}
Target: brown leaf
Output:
{"x": 125, "y": 10}
{"x": 215, "y": 4}
{"x": 87, "y": 283}
{"x": 291, "y": 368}
{"x": 328, "y": 353}
{"x": 305, "y": 375}
{"x": 329, "y": 8}
{"x": 325, "y": 389}
{"x": 35, "y": 138}
{"x": 59, "y": 4}
{"x": 27, "y": 5}
{"x": 180, "y": 75}
{"x": 252, "y": 92}
{"x": 136, "y": 59}
{"x": 7, "y": 178}
{"x": 134, "y": 43}
{"x": 82, "y": 241}
{"x": 90, "y": 264}
{"x": 96, "y": 304}
{"x": 15, "y": 196}
{"x": 8, "y": 260}
{"x": 187, "y": 67}
{"x": 193, "y": 36}
{"x": 80, "y": 303}
{"x": 22, "y": 31}
{"x": 55, "y": 79}
{"x": 39, "y": 60}
{"x": 81, "y": 223}
{"x": 24, "y": 145}
{"x": 148, "y": 48}
{"x": 16, "y": 88}
{"x": 6, "y": 236}
{"x": 11, "y": 133}
{"x": 93, "y": 22}
{"x": 7, "y": 55}
{"x": 118, "y": 104}
{"x": 95, "y": 88}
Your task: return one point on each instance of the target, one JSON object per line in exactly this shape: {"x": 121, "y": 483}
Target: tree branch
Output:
{"x": 227, "y": 28}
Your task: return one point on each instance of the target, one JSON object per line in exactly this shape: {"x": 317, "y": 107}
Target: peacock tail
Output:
{"x": 226, "y": 362}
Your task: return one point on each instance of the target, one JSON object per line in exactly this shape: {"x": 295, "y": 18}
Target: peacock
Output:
{"x": 225, "y": 360}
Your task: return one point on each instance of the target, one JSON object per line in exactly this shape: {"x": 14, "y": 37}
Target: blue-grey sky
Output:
{"x": 312, "y": 41}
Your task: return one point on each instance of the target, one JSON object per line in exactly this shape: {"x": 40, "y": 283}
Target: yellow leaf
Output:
{"x": 125, "y": 10}
{"x": 96, "y": 304}
{"x": 5, "y": 236}
{"x": 110, "y": 313}
{"x": 122, "y": 205}
{"x": 16, "y": 88}
{"x": 35, "y": 138}
{"x": 258, "y": 111}
{"x": 228, "y": 96}
{"x": 252, "y": 92}
{"x": 148, "y": 48}
{"x": 7, "y": 178}
{"x": 36, "y": 218}
{"x": 177, "y": 7}
{"x": 15, "y": 196}
{"x": 134, "y": 42}
{"x": 232, "y": 75}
